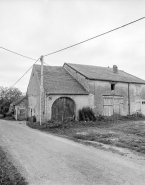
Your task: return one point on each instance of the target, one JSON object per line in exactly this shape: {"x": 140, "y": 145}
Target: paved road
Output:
{"x": 46, "y": 159}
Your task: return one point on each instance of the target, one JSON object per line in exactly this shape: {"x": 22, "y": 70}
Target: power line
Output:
{"x": 93, "y": 37}
{"x": 68, "y": 46}
{"x": 46, "y": 63}
{"x": 17, "y": 53}
{"x": 24, "y": 74}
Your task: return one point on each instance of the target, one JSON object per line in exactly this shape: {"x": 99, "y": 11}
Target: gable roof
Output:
{"x": 20, "y": 100}
{"x": 58, "y": 81}
{"x": 105, "y": 74}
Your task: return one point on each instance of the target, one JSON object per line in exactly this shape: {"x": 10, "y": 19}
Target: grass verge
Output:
{"x": 124, "y": 134}
{"x": 9, "y": 174}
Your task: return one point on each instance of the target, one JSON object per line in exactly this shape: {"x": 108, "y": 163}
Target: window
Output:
{"x": 112, "y": 87}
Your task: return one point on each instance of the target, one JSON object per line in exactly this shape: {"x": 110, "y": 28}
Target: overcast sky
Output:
{"x": 37, "y": 27}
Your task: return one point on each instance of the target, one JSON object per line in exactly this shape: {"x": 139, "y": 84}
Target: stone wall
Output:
{"x": 101, "y": 88}
{"x": 80, "y": 102}
{"x": 33, "y": 92}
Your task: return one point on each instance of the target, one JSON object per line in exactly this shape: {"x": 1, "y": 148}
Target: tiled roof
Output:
{"x": 105, "y": 74}
{"x": 20, "y": 100}
{"x": 58, "y": 81}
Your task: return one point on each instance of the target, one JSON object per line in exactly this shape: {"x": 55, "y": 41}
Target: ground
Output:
{"x": 124, "y": 134}
{"x": 44, "y": 159}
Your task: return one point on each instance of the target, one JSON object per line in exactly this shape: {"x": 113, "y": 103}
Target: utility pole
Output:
{"x": 41, "y": 88}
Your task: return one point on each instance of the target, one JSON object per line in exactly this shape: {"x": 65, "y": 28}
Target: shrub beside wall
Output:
{"x": 86, "y": 114}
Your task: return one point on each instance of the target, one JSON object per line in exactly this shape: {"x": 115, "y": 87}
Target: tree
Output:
{"x": 8, "y": 96}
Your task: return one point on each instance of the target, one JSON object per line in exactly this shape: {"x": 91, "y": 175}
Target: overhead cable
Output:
{"x": 94, "y": 37}
{"x": 17, "y": 53}
{"x": 24, "y": 74}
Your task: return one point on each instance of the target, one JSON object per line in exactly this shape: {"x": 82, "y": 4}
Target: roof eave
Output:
{"x": 66, "y": 94}
{"x": 95, "y": 79}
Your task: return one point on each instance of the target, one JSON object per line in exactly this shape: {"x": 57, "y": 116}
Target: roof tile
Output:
{"x": 105, "y": 73}
{"x": 58, "y": 81}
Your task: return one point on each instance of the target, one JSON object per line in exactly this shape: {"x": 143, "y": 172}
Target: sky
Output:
{"x": 38, "y": 27}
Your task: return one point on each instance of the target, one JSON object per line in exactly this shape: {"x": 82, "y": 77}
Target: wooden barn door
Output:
{"x": 63, "y": 108}
{"x": 108, "y": 106}
{"x": 113, "y": 105}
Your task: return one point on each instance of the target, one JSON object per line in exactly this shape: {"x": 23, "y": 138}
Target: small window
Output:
{"x": 143, "y": 102}
{"x": 112, "y": 87}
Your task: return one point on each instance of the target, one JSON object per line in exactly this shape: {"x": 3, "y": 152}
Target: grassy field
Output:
{"x": 125, "y": 134}
{"x": 9, "y": 174}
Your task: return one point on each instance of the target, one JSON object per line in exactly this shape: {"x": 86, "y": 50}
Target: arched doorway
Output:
{"x": 63, "y": 108}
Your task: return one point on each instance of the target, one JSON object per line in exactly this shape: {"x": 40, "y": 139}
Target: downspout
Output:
{"x": 128, "y": 100}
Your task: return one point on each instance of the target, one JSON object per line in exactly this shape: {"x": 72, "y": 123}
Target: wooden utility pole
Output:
{"x": 41, "y": 89}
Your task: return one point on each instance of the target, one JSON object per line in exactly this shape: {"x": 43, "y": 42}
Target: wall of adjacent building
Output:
{"x": 100, "y": 88}
{"x": 22, "y": 105}
{"x": 137, "y": 95}
{"x": 131, "y": 96}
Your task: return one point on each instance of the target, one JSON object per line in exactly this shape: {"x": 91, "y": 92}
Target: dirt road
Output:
{"x": 46, "y": 159}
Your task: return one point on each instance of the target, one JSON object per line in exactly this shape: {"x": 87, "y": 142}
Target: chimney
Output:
{"x": 115, "y": 69}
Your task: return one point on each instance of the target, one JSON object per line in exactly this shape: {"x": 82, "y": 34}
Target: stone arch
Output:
{"x": 63, "y": 108}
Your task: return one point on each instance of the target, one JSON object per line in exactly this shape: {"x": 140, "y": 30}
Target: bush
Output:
{"x": 134, "y": 116}
{"x": 36, "y": 125}
{"x": 4, "y": 110}
{"x": 86, "y": 114}
{"x": 32, "y": 119}
{"x": 101, "y": 118}
{"x": 55, "y": 124}
{"x": 33, "y": 124}
{"x": 1, "y": 115}
{"x": 9, "y": 114}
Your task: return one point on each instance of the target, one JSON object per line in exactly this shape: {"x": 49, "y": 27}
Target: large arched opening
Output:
{"x": 63, "y": 109}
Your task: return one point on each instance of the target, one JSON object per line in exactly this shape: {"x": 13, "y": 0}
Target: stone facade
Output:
{"x": 33, "y": 93}
{"x": 47, "y": 100}
{"x": 104, "y": 97}
{"x": 79, "y": 100}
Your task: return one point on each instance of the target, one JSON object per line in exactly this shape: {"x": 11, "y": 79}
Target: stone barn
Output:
{"x": 62, "y": 95}
{"x": 67, "y": 89}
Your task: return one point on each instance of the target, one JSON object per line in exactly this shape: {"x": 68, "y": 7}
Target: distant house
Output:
{"x": 20, "y": 108}
{"x": 67, "y": 89}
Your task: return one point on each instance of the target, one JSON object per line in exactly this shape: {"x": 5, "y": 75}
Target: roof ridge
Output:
{"x": 88, "y": 71}
{"x": 89, "y": 65}
{"x": 93, "y": 66}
